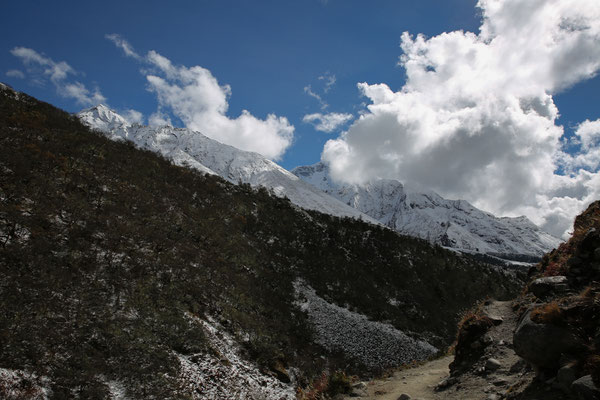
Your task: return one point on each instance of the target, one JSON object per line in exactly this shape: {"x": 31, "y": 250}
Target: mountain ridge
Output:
{"x": 191, "y": 148}
{"x": 451, "y": 223}
{"x": 454, "y": 224}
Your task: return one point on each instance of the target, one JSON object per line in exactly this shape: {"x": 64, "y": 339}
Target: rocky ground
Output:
{"x": 498, "y": 374}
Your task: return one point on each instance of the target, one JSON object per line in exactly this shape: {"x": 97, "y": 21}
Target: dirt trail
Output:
{"x": 477, "y": 384}
{"x": 418, "y": 382}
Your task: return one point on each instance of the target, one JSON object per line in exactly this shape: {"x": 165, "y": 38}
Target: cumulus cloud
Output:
{"x": 195, "y": 96}
{"x": 582, "y": 150}
{"x": 327, "y": 122}
{"x": 43, "y": 68}
{"x": 476, "y": 117}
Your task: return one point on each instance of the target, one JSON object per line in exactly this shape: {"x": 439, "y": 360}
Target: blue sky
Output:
{"x": 268, "y": 51}
{"x": 274, "y": 54}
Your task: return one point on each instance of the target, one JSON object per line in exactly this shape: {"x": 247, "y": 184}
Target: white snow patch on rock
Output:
{"x": 117, "y": 390}
{"x": 375, "y": 344}
{"x": 227, "y": 375}
{"x": 19, "y": 384}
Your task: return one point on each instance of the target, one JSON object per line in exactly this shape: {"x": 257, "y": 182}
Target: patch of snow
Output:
{"x": 19, "y": 384}
{"x": 117, "y": 390}
{"x": 375, "y": 344}
{"x": 227, "y": 375}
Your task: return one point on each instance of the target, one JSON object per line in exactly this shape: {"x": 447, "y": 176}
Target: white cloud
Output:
{"x": 329, "y": 80}
{"x": 586, "y": 140}
{"x": 81, "y": 94}
{"x": 309, "y": 91}
{"x": 15, "y": 73}
{"x": 195, "y": 96}
{"x": 476, "y": 118}
{"x": 133, "y": 116}
{"x": 327, "y": 122}
{"x": 42, "y": 67}
{"x": 123, "y": 45}
{"x": 159, "y": 118}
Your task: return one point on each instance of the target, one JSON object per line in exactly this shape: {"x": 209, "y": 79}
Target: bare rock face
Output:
{"x": 543, "y": 344}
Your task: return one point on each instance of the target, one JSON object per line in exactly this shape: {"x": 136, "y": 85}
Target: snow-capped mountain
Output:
{"x": 452, "y": 223}
{"x": 193, "y": 149}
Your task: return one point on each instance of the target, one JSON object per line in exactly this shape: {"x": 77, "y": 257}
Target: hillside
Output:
{"x": 451, "y": 223}
{"x": 122, "y": 274}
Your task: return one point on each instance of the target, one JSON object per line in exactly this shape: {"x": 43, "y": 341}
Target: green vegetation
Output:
{"x": 104, "y": 248}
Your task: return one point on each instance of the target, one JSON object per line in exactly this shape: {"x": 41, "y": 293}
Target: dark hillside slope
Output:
{"x": 111, "y": 258}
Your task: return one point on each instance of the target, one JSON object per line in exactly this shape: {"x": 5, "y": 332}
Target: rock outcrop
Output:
{"x": 544, "y": 345}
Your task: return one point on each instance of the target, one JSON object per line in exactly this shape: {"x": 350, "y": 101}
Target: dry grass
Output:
{"x": 472, "y": 326}
{"x": 316, "y": 390}
{"x": 326, "y": 386}
{"x": 556, "y": 268}
{"x": 589, "y": 294}
{"x": 549, "y": 313}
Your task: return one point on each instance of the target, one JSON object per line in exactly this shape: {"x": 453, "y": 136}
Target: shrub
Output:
{"x": 339, "y": 382}
{"x": 549, "y": 313}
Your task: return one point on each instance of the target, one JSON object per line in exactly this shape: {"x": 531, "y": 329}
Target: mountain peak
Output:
{"x": 102, "y": 118}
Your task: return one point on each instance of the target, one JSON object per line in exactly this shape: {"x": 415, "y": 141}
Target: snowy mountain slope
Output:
{"x": 193, "y": 149}
{"x": 451, "y": 223}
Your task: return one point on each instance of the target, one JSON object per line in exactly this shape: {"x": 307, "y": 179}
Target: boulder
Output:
{"x": 585, "y": 389}
{"x": 543, "y": 344}
{"x": 541, "y": 287}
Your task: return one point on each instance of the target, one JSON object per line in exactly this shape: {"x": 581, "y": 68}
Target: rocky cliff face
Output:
{"x": 451, "y": 223}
